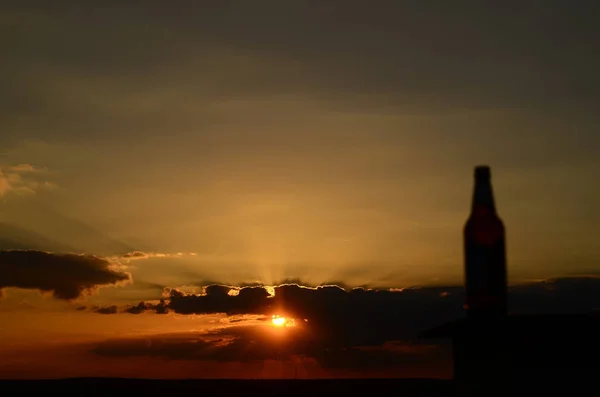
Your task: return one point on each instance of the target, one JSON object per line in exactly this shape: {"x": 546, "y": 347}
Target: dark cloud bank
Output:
{"x": 338, "y": 328}
{"x": 335, "y": 327}
{"x": 560, "y": 295}
{"x": 67, "y": 276}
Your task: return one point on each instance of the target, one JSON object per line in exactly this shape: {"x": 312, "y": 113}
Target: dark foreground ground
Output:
{"x": 541, "y": 385}
{"x": 242, "y": 388}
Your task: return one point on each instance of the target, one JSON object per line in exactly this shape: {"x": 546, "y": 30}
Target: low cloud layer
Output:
{"x": 340, "y": 318}
{"x": 329, "y": 317}
{"x": 67, "y": 276}
{"x": 247, "y": 343}
{"x": 329, "y": 327}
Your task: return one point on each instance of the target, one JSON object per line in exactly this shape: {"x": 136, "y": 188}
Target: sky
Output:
{"x": 149, "y": 151}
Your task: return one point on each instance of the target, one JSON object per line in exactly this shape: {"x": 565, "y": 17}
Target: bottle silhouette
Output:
{"x": 485, "y": 254}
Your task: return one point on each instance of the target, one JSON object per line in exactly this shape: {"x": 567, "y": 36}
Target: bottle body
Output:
{"x": 485, "y": 254}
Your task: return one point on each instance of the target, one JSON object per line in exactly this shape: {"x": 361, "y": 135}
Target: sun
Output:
{"x": 281, "y": 321}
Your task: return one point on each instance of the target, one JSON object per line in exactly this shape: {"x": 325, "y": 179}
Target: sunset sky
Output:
{"x": 263, "y": 142}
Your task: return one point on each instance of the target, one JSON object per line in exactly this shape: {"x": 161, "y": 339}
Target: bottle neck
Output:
{"x": 483, "y": 198}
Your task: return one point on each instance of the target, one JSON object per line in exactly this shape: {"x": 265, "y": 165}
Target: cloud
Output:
{"x": 159, "y": 308}
{"x": 336, "y": 328}
{"x": 317, "y": 42}
{"x": 4, "y": 184}
{"x": 336, "y": 315}
{"x": 135, "y": 255}
{"x": 146, "y": 255}
{"x": 340, "y": 316}
{"x": 67, "y": 276}
{"x": 26, "y": 168}
{"x": 559, "y": 295}
{"x": 244, "y": 343}
{"x": 23, "y": 179}
{"x": 106, "y": 310}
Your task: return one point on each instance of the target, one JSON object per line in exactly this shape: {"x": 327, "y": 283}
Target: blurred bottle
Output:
{"x": 485, "y": 254}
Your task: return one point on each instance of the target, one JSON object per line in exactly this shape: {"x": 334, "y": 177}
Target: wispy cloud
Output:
{"x": 145, "y": 255}
{"x": 27, "y": 168}
{"x": 24, "y": 179}
{"x": 138, "y": 255}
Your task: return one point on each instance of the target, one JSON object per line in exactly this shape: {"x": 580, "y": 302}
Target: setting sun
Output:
{"x": 281, "y": 321}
